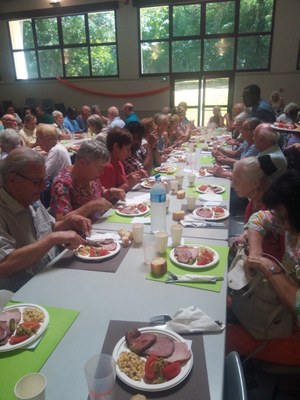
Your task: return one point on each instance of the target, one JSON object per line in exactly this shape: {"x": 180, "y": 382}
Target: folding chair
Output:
{"x": 234, "y": 381}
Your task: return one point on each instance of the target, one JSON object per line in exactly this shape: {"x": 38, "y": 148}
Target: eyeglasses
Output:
{"x": 36, "y": 182}
{"x": 9, "y": 120}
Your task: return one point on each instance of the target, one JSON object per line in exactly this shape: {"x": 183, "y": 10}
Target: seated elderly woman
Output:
{"x": 225, "y": 156}
{"x": 78, "y": 189}
{"x": 94, "y": 124}
{"x": 28, "y": 132}
{"x": 9, "y": 140}
{"x": 282, "y": 200}
{"x": 118, "y": 143}
{"x": 250, "y": 180}
{"x": 58, "y": 119}
{"x": 216, "y": 120}
{"x": 289, "y": 114}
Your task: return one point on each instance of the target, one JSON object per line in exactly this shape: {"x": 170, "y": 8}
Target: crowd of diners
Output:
{"x": 48, "y": 199}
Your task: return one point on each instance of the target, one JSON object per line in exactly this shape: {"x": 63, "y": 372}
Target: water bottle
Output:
{"x": 158, "y": 205}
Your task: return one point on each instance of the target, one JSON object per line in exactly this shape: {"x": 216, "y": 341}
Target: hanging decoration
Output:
{"x": 116, "y": 95}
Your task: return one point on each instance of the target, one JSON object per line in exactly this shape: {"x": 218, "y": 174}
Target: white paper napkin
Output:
{"x": 211, "y": 197}
{"x": 191, "y": 220}
{"x": 192, "y": 319}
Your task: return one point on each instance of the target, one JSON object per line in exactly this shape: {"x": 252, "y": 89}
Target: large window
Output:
{"x": 205, "y": 36}
{"x": 83, "y": 45}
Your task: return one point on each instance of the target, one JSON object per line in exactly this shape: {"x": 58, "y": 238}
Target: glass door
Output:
{"x": 202, "y": 94}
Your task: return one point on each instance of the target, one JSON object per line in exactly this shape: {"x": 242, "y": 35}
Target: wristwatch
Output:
{"x": 274, "y": 270}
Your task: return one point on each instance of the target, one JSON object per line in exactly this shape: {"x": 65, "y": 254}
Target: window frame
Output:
{"x": 59, "y": 14}
{"x": 202, "y": 37}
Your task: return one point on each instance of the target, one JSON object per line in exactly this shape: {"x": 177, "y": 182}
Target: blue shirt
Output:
{"x": 71, "y": 125}
{"x": 263, "y": 111}
{"x": 132, "y": 118}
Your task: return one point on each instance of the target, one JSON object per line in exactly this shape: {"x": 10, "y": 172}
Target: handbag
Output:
{"x": 255, "y": 302}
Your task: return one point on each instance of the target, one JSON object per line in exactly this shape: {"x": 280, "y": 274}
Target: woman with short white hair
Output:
{"x": 9, "y": 140}
{"x": 78, "y": 189}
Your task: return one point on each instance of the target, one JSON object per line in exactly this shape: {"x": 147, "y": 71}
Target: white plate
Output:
{"x": 195, "y": 265}
{"x": 41, "y": 330}
{"x": 206, "y": 173}
{"x": 165, "y": 169}
{"x": 137, "y": 214}
{"x": 141, "y": 385}
{"x": 100, "y": 258}
{"x": 285, "y": 129}
{"x": 147, "y": 184}
{"x": 218, "y": 189}
{"x": 178, "y": 152}
{"x": 213, "y": 218}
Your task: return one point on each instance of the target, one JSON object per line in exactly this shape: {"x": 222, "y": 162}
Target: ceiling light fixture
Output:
{"x": 54, "y": 2}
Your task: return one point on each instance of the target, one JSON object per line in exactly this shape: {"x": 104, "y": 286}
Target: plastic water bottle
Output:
{"x": 158, "y": 206}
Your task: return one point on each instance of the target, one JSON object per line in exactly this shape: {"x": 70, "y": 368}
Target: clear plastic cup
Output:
{"x": 100, "y": 372}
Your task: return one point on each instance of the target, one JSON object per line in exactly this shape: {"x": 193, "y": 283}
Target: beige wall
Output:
{"x": 282, "y": 75}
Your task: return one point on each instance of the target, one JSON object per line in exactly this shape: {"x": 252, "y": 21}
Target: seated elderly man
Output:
{"x": 114, "y": 120}
{"x": 82, "y": 118}
{"x": 270, "y": 154}
{"x": 28, "y": 234}
{"x": 28, "y": 132}
{"x": 9, "y": 121}
{"x": 57, "y": 155}
{"x": 130, "y": 115}
{"x": 9, "y": 140}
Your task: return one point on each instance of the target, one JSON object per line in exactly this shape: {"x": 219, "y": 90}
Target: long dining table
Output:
{"x": 127, "y": 294}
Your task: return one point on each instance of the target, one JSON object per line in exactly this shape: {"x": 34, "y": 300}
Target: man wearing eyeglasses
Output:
{"x": 9, "y": 121}
{"x": 28, "y": 233}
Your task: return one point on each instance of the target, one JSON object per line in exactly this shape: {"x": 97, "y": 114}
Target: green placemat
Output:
{"x": 192, "y": 191}
{"x": 217, "y": 270}
{"x": 15, "y": 364}
{"x": 206, "y": 159}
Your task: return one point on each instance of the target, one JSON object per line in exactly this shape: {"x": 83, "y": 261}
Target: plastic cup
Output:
{"x": 161, "y": 242}
{"x": 191, "y": 202}
{"x": 149, "y": 248}
{"x": 100, "y": 372}
{"x": 138, "y": 232}
{"x": 191, "y": 178}
{"x": 174, "y": 186}
{"x": 31, "y": 387}
{"x": 179, "y": 178}
{"x": 176, "y": 234}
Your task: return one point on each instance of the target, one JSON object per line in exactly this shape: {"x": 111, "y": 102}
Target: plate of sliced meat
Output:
{"x": 165, "y": 169}
{"x": 21, "y": 324}
{"x": 98, "y": 248}
{"x": 132, "y": 210}
{"x": 217, "y": 213}
{"x": 152, "y": 359}
{"x": 209, "y": 188}
{"x": 203, "y": 172}
{"x": 194, "y": 256}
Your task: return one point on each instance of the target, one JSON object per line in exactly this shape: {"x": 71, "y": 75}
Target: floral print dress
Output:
{"x": 67, "y": 196}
